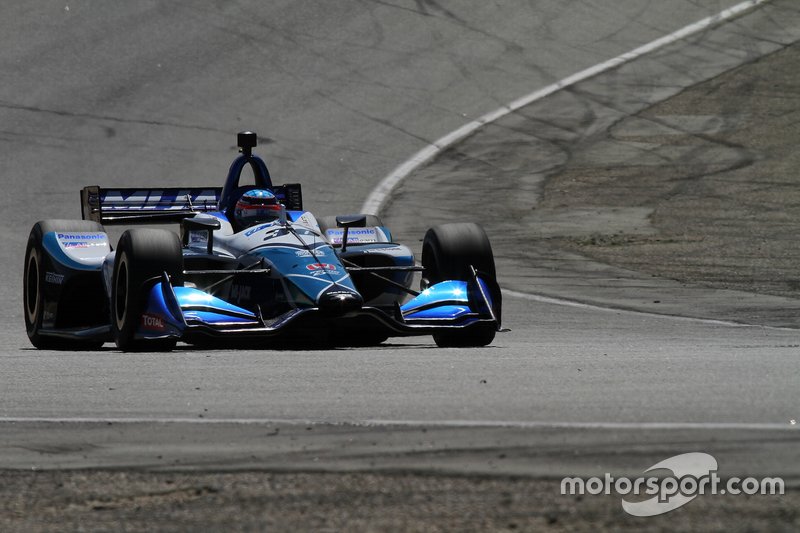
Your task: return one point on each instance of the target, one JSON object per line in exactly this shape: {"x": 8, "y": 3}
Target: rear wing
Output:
{"x": 163, "y": 205}
{"x": 125, "y": 206}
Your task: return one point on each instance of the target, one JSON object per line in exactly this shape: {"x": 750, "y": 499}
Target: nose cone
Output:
{"x": 339, "y": 302}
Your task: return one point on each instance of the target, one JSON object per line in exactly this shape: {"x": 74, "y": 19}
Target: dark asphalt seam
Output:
{"x": 70, "y": 114}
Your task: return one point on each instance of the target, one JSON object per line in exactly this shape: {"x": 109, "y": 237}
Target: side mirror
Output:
{"x": 350, "y": 221}
{"x": 199, "y": 233}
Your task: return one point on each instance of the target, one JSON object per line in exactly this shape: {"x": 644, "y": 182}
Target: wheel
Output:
{"x": 448, "y": 251}
{"x": 33, "y": 284}
{"x": 142, "y": 254}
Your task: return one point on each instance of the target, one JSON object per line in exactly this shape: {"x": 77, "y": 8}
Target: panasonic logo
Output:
{"x": 81, "y": 236}
{"x": 351, "y": 232}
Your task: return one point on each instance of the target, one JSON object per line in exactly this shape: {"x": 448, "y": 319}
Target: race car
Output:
{"x": 249, "y": 265}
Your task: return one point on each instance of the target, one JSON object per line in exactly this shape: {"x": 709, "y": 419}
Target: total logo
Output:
{"x": 153, "y": 322}
{"x": 318, "y": 269}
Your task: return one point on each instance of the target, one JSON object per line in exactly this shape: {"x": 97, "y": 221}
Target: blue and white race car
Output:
{"x": 249, "y": 265}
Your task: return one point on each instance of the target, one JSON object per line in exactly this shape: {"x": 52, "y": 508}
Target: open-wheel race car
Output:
{"x": 249, "y": 265}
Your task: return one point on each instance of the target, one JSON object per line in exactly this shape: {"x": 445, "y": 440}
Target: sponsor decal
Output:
{"x": 240, "y": 292}
{"x": 337, "y": 293}
{"x": 82, "y": 240}
{"x": 354, "y": 235}
{"x": 319, "y": 252}
{"x": 320, "y": 266}
{"x": 198, "y": 238}
{"x": 156, "y": 200}
{"x": 318, "y": 269}
{"x": 275, "y": 231}
{"x": 153, "y": 322}
{"x": 390, "y": 250}
{"x": 256, "y": 229}
{"x": 55, "y": 279}
{"x": 81, "y": 236}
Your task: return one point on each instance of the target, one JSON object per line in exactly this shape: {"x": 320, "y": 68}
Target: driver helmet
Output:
{"x": 256, "y": 206}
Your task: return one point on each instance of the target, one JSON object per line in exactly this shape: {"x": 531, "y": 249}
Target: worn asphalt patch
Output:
{"x": 258, "y": 501}
{"x": 631, "y": 191}
{"x": 718, "y": 167}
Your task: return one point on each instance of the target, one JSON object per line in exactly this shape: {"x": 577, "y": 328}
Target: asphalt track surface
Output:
{"x": 138, "y": 94}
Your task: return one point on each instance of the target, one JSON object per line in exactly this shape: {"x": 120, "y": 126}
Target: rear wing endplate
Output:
{"x": 163, "y": 205}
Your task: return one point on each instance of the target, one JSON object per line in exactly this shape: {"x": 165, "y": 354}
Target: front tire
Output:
{"x": 33, "y": 280}
{"x": 448, "y": 251}
{"x": 142, "y": 254}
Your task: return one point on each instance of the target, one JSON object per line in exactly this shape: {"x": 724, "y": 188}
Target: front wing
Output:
{"x": 192, "y": 315}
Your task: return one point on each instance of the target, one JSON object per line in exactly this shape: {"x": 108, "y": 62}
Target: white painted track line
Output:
{"x": 453, "y": 424}
{"x": 583, "y": 305}
{"x": 380, "y": 194}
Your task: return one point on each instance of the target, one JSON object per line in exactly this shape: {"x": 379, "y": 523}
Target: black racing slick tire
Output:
{"x": 142, "y": 255}
{"x": 448, "y": 251}
{"x": 33, "y": 280}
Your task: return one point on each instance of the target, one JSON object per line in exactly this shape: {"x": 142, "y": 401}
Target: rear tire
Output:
{"x": 448, "y": 251}
{"x": 33, "y": 284}
{"x": 142, "y": 254}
